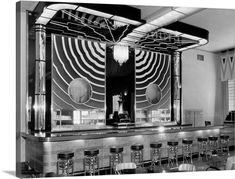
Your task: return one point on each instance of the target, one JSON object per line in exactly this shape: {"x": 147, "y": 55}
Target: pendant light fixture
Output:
{"x": 120, "y": 54}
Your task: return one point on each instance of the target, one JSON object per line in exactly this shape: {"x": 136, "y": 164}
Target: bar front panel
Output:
{"x": 43, "y": 155}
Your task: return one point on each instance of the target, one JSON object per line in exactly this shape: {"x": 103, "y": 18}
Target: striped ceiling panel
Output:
{"x": 84, "y": 17}
{"x": 152, "y": 67}
{"x": 74, "y": 58}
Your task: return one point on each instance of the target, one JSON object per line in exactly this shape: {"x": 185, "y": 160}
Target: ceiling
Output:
{"x": 123, "y": 25}
{"x": 219, "y": 22}
{"x": 221, "y": 26}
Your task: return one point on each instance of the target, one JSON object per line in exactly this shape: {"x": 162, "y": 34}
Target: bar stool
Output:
{"x": 137, "y": 154}
{"x": 155, "y": 153}
{"x": 91, "y": 161}
{"x": 224, "y": 144}
{"x": 125, "y": 168}
{"x": 172, "y": 153}
{"x": 202, "y": 147}
{"x": 187, "y": 147}
{"x": 65, "y": 163}
{"x": 213, "y": 146}
{"x": 115, "y": 157}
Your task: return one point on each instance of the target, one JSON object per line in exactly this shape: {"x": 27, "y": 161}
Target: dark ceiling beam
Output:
{"x": 137, "y": 33}
{"x": 118, "y": 10}
{"x": 125, "y": 11}
{"x": 188, "y": 29}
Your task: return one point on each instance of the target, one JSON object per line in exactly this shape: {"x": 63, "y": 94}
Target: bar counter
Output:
{"x": 42, "y": 148}
{"x": 105, "y": 132}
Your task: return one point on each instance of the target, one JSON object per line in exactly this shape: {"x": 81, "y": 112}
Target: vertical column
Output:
{"x": 176, "y": 88}
{"x": 40, "y": 78}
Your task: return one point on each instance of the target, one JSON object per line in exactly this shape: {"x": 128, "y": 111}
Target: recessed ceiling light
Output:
{"x": 170, "y": 17}
{"x": 48, "y": 13}
{"x": 51, "y": 10}
{"x": 58, "y": 7}
{"x": 145, "y": 28}
{"x": 191, "y": 37}
{"x": 176, "y": 33}
{"x": 42, "y": 20}
{"x": 130, "y": 39}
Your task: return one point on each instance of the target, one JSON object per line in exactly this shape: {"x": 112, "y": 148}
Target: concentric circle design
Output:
{"x": 152, "y": 68}
{"x": 75, "y": 58}
{"x": 153, "y": 93}
{"x": 79, "y": 90}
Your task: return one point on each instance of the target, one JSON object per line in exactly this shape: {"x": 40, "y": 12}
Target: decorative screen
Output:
{"x": 78, "y": 75}
{"x": 153, "y": 86}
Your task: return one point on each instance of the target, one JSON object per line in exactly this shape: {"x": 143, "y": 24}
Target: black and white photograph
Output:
{"x": 123, "y": 89}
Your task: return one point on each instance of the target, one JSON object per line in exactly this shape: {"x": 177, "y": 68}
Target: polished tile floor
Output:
{"x": 216, "y": 162}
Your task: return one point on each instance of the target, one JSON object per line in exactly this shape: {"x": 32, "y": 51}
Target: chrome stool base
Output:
{"x": 65, "y": 164}
{"x": 91, "y": 162}
{"x": 224, "y": 145}
{"x": 187, "y": 147}
{"x": 137, "y": 154}
{"x": 213, "y": 146}
{"x": 115, "y": 158}
{"x": 155, "y": 154}
{"x": 202, "y": 148}
{"x": 172, "y": 153}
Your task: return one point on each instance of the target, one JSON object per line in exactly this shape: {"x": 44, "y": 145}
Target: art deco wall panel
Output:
{"x": 152, "y": 68}
{"x": 72, "y": 59}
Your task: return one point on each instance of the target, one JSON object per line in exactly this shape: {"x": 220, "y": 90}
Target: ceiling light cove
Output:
{"x": 122, "y": 25}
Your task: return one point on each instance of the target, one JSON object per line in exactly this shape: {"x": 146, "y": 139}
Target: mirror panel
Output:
{"x": 120, "y": 88}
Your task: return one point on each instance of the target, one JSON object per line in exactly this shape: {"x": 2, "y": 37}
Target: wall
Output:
{"x": 21, "y": 76}
{"x": 20, "y": 84}
{"x": 201, "y": 86}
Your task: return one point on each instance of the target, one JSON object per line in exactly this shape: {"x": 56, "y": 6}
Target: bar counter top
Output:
{"x": 113, "y": 132}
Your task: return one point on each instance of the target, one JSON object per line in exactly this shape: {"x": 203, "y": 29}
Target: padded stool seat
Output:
{"x": 211, "y": 138}
{"x": 224, "y": 137}
{"x": 137, "y": 147}
{"x": 156, "y": 145}
{"x": 65, "y": 155}
{"x": 187, "y": 141}
{"x": 172, "y": 143}
{"x": 202, "y": 139}
{"x": 91, "y": 152}
{"x": 116, "y": 149}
